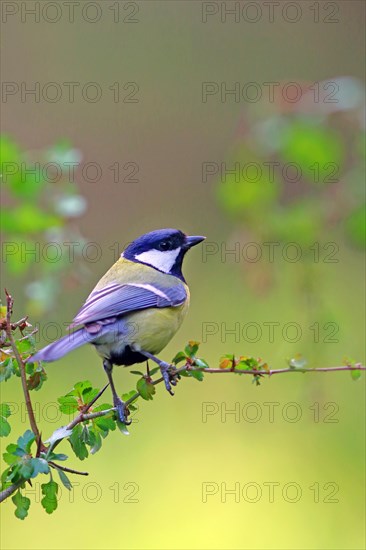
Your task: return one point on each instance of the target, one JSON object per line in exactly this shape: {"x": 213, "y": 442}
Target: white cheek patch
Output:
{"x": 161, "y": 260}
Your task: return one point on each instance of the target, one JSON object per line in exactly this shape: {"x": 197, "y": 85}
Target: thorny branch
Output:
{"x": 84, "y": 415}
{"x": 9, "y": 327}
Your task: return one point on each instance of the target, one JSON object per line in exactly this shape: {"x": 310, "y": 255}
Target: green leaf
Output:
{"x": 29, "y": 367}
{"x": 82, "y": 390}
{"x": 105, "y": 423}
{"x": 154, "y": 370}
{"x": 256, "y": 380}
{"x": 64, "y": 479}
{"x": 9, "y": 457}
{"x": 5, "y": 410}
{"x": 40, "y": 466}
{"x": 22, "y": 505}
{"x": 122, "y": 427}
{"x": 97, "y": 443}
{"x": 180, "y": 356}
{"x": 55, "y": 456}
{"x": 25, "y": 441}
{"x": 4, "y": 482}
{"x": 88, "y": 435}
{"x": 49, "y": 501}
{"x": 59, "y": 434}
{"x": 89, "y": 394}
{"x": 247, "y": 363}
{"x": 25, "y": 467}
{"x": 355, "y": 374}
{"x": 68, "y": 404}
{"x": 24, "y": 346}
{"x": 106, "y": 406}
{"x": 197, "y": 374}
{"x": 242, "y": 365}
{"x": 191, "y": 348}
{"x": 81, "y": 387}
{"x": 297, "y": 362}
{"x": 5, "y": 428}
{"x": 13, "y": 474}
{"x": 201, "y": 363}
{"x": 127, "y": 396}
{"x": 77, "y": 443}
{"x": 137, "y": 372}
{"x": 35, "y": 381}
{"x": 146, "y": 388}
{"x": 185, "y": 374}
{"x": 7, "y": 369}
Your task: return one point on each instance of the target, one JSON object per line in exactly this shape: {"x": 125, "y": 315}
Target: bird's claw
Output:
{"x": 122, "y": 411}
{"x": 169, "y": 376}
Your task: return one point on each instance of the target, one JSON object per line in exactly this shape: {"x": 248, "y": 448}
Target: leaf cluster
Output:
{"x": 90, "y": 423}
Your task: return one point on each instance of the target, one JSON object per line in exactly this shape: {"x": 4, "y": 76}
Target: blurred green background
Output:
{"x": 147, "y": 490}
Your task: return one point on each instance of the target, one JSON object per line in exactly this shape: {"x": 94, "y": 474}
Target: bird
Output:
{"x": 134, "y": 310}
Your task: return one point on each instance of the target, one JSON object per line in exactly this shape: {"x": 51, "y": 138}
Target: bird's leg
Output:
{"x": 122, "y": 411}
{"x": 165, "y": 369}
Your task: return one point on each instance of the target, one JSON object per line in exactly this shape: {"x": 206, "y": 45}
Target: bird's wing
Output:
{"x": 115, "y": 300}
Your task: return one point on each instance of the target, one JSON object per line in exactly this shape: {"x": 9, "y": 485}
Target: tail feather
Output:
{"x": 61, "y": 347}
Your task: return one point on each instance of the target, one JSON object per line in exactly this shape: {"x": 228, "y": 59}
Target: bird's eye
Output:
{"x": 164, "y": 245}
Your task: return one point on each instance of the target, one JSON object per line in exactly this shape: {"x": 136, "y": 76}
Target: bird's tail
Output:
{"x": 61, "y": 347}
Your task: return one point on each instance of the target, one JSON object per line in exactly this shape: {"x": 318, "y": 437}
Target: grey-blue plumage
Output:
{"x": 135, "y": 309}
{"x": 114, "y": 335}
{"x": 61, "y": 347}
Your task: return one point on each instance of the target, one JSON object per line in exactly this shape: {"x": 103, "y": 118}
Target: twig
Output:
{"x": 84, "y": 415}
{"x": 28, "y": 402}
{"x": 91, "y": 403}
{"x": 189, "y": 368}
{"x": 279, "y": 371}
{"x": 6, "y": 493}
{"x": 186, "y": 368}
{"x": 34, "y": 331}
{"x": 69, "y": 470}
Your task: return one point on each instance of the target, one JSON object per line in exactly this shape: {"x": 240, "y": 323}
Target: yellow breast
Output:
{"x": 152, "y": 329}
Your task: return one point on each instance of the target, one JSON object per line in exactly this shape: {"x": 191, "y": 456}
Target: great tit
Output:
{"x": 135, "y": 309}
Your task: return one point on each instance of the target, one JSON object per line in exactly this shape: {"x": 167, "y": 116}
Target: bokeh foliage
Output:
{"x": 40, "y": 207}
{"x": 301, "y": 169}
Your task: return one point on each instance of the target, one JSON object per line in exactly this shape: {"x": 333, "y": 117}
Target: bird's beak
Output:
{"x": 193, "y": 240}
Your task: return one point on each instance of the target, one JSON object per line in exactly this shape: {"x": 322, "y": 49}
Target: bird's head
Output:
{"x": 163, "y": 250}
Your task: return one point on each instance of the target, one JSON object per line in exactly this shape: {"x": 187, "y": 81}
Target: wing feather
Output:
{"x": 115, "y": 300}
